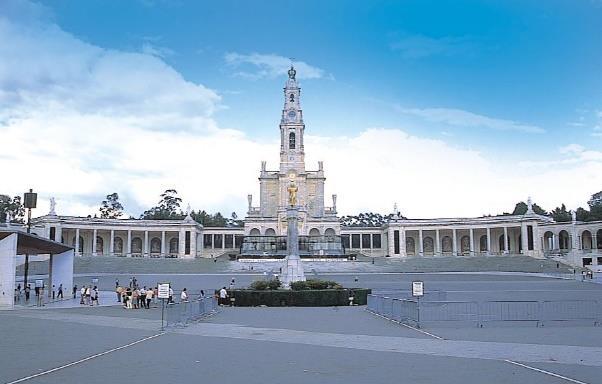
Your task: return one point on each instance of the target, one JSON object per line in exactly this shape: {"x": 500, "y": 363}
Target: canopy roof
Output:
{"x": 34, "y": 245}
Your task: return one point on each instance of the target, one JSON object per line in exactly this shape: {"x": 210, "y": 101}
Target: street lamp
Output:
{"x": 30, "y": 200}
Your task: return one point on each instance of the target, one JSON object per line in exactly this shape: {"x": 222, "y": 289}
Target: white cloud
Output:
{"x": 461, "y": 118}
{"x": 257, "y": 66}
{"x": 78, "y": 122}
{"x": 156, "y": 50}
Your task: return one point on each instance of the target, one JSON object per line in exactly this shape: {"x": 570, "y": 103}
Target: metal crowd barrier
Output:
{"x": 412, "y": 311}
{"x": 183, "y": 313}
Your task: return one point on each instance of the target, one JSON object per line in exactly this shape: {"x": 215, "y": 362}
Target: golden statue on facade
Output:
{"x": 292, "y": 194}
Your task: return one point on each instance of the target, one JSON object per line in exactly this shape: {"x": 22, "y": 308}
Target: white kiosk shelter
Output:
{"x": 15, "y": 242}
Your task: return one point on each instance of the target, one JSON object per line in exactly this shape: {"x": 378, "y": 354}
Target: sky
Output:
{"x": 446, "y": 108}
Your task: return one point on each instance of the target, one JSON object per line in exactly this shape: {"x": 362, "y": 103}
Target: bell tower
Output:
{"x": 292, "y": 151}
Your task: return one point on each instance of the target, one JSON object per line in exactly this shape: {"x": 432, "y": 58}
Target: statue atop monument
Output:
{"x": 292, "y": 194}
{"x": 52, "y": 211}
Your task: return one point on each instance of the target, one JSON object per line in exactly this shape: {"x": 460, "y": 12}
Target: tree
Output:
{"x": 582, "y": 214}
{"x": 560, "y": 214}
{"x": 12, "y": 206}
{"x": 595, "y": 200}
{"x": 168, "y": 207}
{"x": 367, "y": 219}
{"x": 521, "y": 208}
{"x": 111, "y": 208}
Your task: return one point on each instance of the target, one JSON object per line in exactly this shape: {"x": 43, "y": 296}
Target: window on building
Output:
{"x": 207, "y": 240}
{"x": 229, "y": 239}
{"x": 376, "y": 240}
{"x": 291, "y": 140}
{"x": 187, "y": 243}
{"x": 238, "y": 241}
{"x": 345, "y": 241}
{"x": 355, "y": 240}
{"x": 366, "y": 241}
{"x": 217, "y": 240}
{"x": 52, "y": 233}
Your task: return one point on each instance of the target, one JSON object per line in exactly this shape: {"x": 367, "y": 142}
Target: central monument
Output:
{"x": 292, "y": 270}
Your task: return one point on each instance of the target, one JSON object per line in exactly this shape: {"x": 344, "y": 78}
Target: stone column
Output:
{"x": 112, "y": 243}
{"x": 555, "y": 242}
{"x": 145, "y": 245}
{"x": 402, "y": 243}
{"x": 437, "y": 243}
{"x": 506, "y": 241}
{"x": 420, "y": 243}
{"x": 471, "y": 232}
{"x": 94, "y": 234}
{"x": 193, "y": 240}
{"x": 181, "y": 242}
{"x": 162, "y": 243}
{"x": 594, "y": 241}
{"x": 454, "y": 243}
{"x": 390, "y": 244}
{"x": 488, "y": 240}
{"x": 129, "y": 244}
{"x": 77, "y": 242}
{"x": 58, "y": 234}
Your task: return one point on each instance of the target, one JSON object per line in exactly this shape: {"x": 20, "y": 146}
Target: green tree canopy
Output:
{"x": 521, "y": 208}
{"x": 560, "y": 214}
{"x": 12, "y": 206}
{"x": 365, "y": 219}
{"x": 111, "y": 208}
{"x": 168, "y": 208}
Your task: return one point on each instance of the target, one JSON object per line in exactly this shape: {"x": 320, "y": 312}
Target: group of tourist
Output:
{"x": 88, "y": 295}
{"x": 136, "y": 298}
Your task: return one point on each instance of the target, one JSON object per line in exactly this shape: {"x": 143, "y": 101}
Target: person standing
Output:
{"x": 184, "y": 296}
{"x": 88, "y": 297}
{"x": 170, "y": 299}
{"x": 143, "y": 294}
{"x": 53, "y": 291}
{"x": 95, "y": 296}
{"x": 116, "y": 283}
{"x": 60, "y": 292}
{"x": 223, "y": 295}
{"x": 27, "y": 293}
{"x": 135, "y": 295}
{"x": 40, "y": 296}
{"x": 82, "y": 295}
{"x": 75, "y": 291}
{"x": 149, "y": 297}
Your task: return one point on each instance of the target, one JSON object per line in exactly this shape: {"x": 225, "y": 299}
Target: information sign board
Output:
{"x": 163, "y": 291}
{"x": 417, "y": 288}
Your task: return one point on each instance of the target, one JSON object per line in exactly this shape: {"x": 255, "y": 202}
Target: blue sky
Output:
{"x": 516, "y": 82}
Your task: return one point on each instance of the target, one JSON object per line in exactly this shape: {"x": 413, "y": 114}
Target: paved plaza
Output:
{"x": 300, "y": 345}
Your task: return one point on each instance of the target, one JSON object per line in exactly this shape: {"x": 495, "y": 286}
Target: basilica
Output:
{"x": 321, "y": 235}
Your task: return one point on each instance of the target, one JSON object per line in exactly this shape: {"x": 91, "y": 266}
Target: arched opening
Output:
{"x": 563, "y": 240}
{"x": 291, "y": 140}
{"x": 428, "y": 246}
{"x": 483, "y": 243}
{"x": 502, "y": 243}
{"x": 446, "y": 244}
{"x": 329, "y": 232}
{"x": 118, "y": 245}
{"x": 254, "y": 232}
{"x": 136, "y": 245}
{"x": 270, "y": 232}
{"x": 548, "y": 241}
{"x": 586, "y": 240}
{"x": 99, "y": 245}
{"x": 465, "y": 245}
{"x": 314, "y": 232}
{"x": 155, "y": 245}
{"x": 599, "y": 238}
{"x": 173, "y": 245}
{"x": 410, "y": 246}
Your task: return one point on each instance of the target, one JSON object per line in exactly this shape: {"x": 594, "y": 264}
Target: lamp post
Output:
{"x": 30, "y": 200}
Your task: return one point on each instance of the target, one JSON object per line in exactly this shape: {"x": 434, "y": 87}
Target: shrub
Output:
{"x": 262, "y": 285}
{"x": 315, "y": 284}
{"x": 302, "y": 298}
{"x": 274, "y": 284}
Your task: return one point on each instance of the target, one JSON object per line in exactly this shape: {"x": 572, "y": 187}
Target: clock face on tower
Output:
{"x": 291, "y": 115}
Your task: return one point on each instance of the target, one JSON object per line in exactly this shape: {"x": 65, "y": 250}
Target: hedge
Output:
{"x": 304, "y": 298}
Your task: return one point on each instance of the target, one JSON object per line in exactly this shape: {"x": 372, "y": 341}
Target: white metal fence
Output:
{"x": 414, "y": 311}
{"x": 183, "y": 313}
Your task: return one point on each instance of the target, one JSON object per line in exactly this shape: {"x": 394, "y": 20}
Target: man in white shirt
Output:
{"x": 223, "y": 295}
{"x": 183, "y": 296}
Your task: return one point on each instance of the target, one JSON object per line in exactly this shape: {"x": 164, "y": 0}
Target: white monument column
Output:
{"x": 506, "y": 241}
{"x": 454, "y": 243}
{"x": 94, "y": 234}
{"x": 420, "y": 242}
{"x": 145, "y": 250}
{"x": 471, "y": 231}
{"x": 524, "y": 237}
{"x": 437, "y": 244}
{"x": 390, "y": 242}
{"x": 112, "y": 243}
{"x": 594, "y": 241}
{"x": 77, "y": 242}
{"x": 162, "y": 243}
{"x": 181, "y": 242}
{"x": 488, "y": 240}
{"x": 129, "y": 244}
